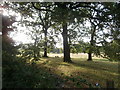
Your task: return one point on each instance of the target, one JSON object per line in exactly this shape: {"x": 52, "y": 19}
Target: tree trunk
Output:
{"x": 89, "y": 56}
{"x": 35, "y": 45}
{"x": 35, "y": 57}
{"x": 45, "y": 44}
{"x": 66, "y": 46}
{"x": 90, "y": 49}
{"x": 45, "y": 50}
{"x": 91, "y": 44}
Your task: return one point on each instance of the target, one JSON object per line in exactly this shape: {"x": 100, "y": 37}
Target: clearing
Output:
{"x": 81, "y": 73}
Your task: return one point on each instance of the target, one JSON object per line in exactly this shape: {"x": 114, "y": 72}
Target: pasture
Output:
{"x": 81, "y": 73}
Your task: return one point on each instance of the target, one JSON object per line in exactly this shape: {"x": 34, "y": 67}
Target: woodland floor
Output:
{"x": 81, "y": 73}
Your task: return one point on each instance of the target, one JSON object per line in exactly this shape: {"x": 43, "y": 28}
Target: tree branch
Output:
{"x": 40, "y": 8}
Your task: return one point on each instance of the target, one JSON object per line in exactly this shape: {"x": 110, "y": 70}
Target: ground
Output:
{"x": 81, "y": 73}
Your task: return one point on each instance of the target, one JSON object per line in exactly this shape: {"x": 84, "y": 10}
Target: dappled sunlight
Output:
{"x": 49, "y": 45}
{"x": 99, "y": 65}
{"x": 95, "y": 71}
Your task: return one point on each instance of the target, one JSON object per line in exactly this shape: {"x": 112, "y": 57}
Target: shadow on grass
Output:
{"x": 99, "y": 71}
{"x": 97, "y": 65}
{"x": 18, "y": 74}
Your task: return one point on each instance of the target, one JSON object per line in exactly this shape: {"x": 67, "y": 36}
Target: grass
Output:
{"x": 52, "y": 72}
{"x": 81, "y": 73}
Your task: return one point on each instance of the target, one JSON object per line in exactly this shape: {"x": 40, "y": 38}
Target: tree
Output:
{"x": 45, "y": 21}
{"x": 42, "y": 17}
{"x": 62, "y": 10}
{"x": 7, "y": 42}
{"x": 110, "y": 48}
{"x": 65, "y": 41}
{"x": 9, "y": 51}
{"x": 99, "y": 17}
{"x": 68, "y": 11}
{"x": 64, "y": 14}
{"x": 92, "y": 39}
{"x": 36, "y": 35}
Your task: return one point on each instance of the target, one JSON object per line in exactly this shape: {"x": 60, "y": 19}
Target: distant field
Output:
{"x": 79, "y": 55}
{"x": 98, "y": 71}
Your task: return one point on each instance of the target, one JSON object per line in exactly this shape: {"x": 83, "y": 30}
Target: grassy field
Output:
{"x": 81, "y": 73}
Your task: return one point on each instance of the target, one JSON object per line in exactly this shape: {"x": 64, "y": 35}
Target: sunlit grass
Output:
{"x": 97, "y": 71}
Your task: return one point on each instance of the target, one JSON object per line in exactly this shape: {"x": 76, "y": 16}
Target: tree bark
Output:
{"x": 91, "y": 44}
{"x": 45, "y": 43}
{"x": 34, "y": 51}
{"x": 66, "y": 46}
{"x": 90, "y": 50}
{"x": 89, "y": 56}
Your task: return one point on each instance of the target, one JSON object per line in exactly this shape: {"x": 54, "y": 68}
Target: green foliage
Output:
{"x": 30, "y": 52}
{"x": 73, "y": 50}
{"x": 112, "y": 51}
{"x": 81, "y": 47}
{"x": 18, "y": 74}
{"x": 78, "y": 81}
{"x": 56, "y": 50}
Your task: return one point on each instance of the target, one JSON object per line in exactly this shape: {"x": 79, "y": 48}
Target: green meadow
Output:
{"x": 81, "y": 73}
